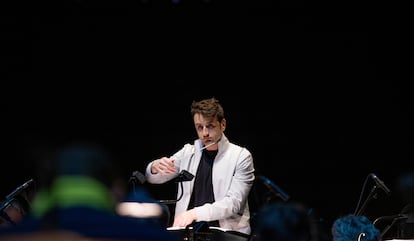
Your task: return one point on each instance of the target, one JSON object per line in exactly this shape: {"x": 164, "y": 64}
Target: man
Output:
{"x": 224, "y": 173}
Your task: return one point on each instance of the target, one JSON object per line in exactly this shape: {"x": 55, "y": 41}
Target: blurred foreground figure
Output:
{"x": 285, "y": 222}
{"x": 80, "y": 186}
{"x": 354, "y": 228}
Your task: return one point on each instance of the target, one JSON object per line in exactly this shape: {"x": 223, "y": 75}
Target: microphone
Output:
{"x": 184, "y": 176}
{"x": 19, "y": 189}
{"x": 136, "y": 175}
{"x": 275, "y": 189}
{"x": 380, "y": 184}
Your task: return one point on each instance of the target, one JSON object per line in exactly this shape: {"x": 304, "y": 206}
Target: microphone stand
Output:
{"x": 387, "y": 228}
{"x": 167, "y": 202}
{"x": 200, "y": 231}
{"x": 183, "y": 176}
{"x": 135, "y": 178}
{"x": 14, "y": 197}
{"x": 3, "y": 214}
{"x": 372, "y": 195}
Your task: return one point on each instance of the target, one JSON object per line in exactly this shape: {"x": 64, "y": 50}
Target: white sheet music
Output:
{"x": 183, "y": 228}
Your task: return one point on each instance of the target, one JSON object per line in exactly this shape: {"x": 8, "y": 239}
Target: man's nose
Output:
{"x": 205, "y": 131}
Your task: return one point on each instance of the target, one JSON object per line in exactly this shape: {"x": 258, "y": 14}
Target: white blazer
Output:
{"x": 232, "y": 177}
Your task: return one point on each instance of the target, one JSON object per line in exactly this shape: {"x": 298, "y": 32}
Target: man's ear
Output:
{"x": 223, "y": 124}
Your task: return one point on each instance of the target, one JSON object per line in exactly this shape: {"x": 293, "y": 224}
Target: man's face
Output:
{"x": 209, "y": 130}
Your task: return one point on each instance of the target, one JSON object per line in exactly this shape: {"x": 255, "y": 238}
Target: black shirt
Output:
{"x": 203, "y": 185}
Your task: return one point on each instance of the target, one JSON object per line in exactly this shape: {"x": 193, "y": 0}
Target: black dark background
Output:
{"x": 310, "y": 88}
